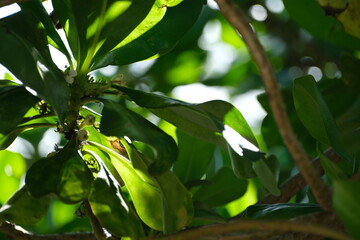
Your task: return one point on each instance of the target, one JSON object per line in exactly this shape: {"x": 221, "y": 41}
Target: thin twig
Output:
{"x": 237, "y": 19}
{"x": 254, "y": 225}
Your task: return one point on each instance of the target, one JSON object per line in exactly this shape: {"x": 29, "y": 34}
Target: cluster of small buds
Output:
{"x": 89, "y": 120}
{"x": 82, "y": 135}
{"x": 69, "y": 76}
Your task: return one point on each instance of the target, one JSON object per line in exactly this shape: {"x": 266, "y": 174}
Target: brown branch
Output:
{"x": 237, "y": 19}
{"x": 254, "y": 225}
{"x": 18, "y": 233}
{"x": 297, "y": 182}
{"x": 4, "y": 3}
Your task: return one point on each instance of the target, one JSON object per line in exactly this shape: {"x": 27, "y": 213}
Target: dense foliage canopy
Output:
{"x": 127, "y": 119}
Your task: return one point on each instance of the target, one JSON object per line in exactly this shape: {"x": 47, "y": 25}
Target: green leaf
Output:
{"x": 38, "y": 9}
{"x": 156, "y": 41}
{"x": 242, "y": 167}
{"x": 333, "y": 171}
{"x": 7, "y": 139}
{"x": 177, "y": 208}
{"x": 315, "y": 114}
{"x": 22, "y": 208}
{"x": 319, "y": 25}
{"x": 280, "y": 210}
{"x": 143, "y": 189}
{"x": 267, "y": 177}
{"x": 224, "y": 187}
{"x": 96, "y": 27}
{"x": 346, "y": 203}
{"x": 22, "y": 35}
{"x": 217, "y": 122}
{"x": 112, "y": 210}
{"x": 10, "y": 116}
{"x": 163, "y": 203}
{"x": 209, "y": 118}
{"x": 119, "y": 121}
{"x": 194, "y": 157}
{"x": 65, "y": 174}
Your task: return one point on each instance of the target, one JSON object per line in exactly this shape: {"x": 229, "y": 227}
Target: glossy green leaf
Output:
{"x": 98, "y": 26}
{"x": 119, "y": 121}
{"x": 280, "y": 210}
{"x": 223, "y": 188}
{"x": 65, "y": 174}
{"x": 7, "y": 139}
{"x": 38, "y": 9}
{"x": 163, "y": 203}
{"x": 194, "y": 157}
{"x": 346, "y": 203}
{"x": 319, "y": 24}
{"x": 177, "y": 204}
{"x": 159, "y": 39}
{"x": 215, "y": 122}
{"x": 267, "y": 177}
{"x": 315, "y": 114}
{"x": 242, "y": 167}
{"x": 22, "y": 208}
{"x": 111, "y": 209}
{"x": 11, "y": 116}
{"x": 210, "y": 117}
{"x": 332, "y": 169}
{"x": 21, "y": 36}
{"x": 177, "y": 208}
{"x": 143, "y": 189}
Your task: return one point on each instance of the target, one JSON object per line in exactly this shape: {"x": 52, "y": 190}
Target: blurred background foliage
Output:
{"x": 212, "y": 62}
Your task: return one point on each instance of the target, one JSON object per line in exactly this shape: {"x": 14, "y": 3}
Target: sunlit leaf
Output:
{"x": 22, "y": 208}
{"x": 223, "y": 188}
{"x": 65, "y": 174}
{"x": 144, "y": 191}
{"x": 217, "y": 122}
{"x": 163, "y": 203}
{"x": 119, "y": 121}
{"x": 111, "y": 209}
{"x": 10, "y": 116}
{"x": 21, "y": 36}
{"x": 159, "y": 39}
{"x": 38, "y": 9}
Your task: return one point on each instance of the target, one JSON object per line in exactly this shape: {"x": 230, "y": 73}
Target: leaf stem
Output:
{"x": 237, "y": 19}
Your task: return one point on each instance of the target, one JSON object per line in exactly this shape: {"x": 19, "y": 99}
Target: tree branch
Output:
{"x": 4, "y": 3}
{"x": 254, "y": 225}
{"x": 294, "y": 184}
{"x": 18, "y": 233}
{"x": 237, "y": 19}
